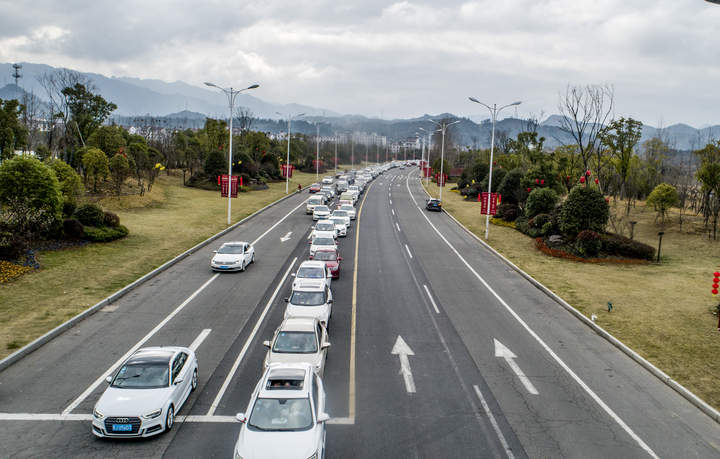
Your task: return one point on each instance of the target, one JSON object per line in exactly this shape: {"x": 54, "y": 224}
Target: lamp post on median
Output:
{"x": 287, "y": 164}
{"x": 443, "y": 128}
{"x": 427, "y": 158}
{"x": 230, "y": 93}
{"x": 493, "y": 112}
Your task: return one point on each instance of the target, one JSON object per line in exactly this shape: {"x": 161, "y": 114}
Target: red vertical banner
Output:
{"x": 441, "y": 180}
{"x": 493, "y": 203}
{"x": 233, "y": 186}
{"x": 490, "y": 207}
{"x": 223, "y": 185}
{"x": 287, "y": 170}
{"x": 484, "y": 203}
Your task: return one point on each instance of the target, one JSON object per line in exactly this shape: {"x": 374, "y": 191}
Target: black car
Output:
{"x": 433, "y": 204}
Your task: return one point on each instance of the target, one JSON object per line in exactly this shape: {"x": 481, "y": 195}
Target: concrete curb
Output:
{"x": 37, "y": 343}
{"x": 679, "y": 388}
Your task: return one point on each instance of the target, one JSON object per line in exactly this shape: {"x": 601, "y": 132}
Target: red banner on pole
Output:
{"x": 441, "y": 182}
{"x": 494, "y": 199}
{"x": 427, "y": 172}
{"x": 223, "y": 179}
{"x": 287, "y": 170}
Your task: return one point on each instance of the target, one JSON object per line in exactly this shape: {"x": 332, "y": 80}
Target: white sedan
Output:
{"x": 321, "y": 212}
{"x": 146, "y": 393}
{"x": 298, "y": 340}
{"x": 349, "y": 209}
{"x": 233, "y": 256}
{"x": 324, "y": 226}
{"x": 286, "y": 415}
{"x": 322, "y": 242}
{"x": 342, "y": 214}
{"x": 340, "y": 225}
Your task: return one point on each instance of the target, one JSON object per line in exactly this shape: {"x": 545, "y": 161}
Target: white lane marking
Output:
{"x": 408, "y": 250}
{"x": 89, "y": 417}
{"x": 431, "y": 299}
{"x": 393, "y": 211}
{"x": 342, "y": 421}
{"x": 391, "y": 202}
{"x": 200, "y": 338}
{"x": 286, "y": 237}
{"x": 542, "y": 343}
{"x": 503, "y": 352}
{"x": 494, "y": 423}
{"x": 137, "y": 346}
{"x": 278, "y": 222}
{"x": 402, "y": 350}
{"x": 240, "y": 356}
{"x": 398, "y": 228}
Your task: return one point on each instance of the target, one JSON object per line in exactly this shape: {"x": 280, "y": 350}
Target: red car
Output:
{"x": 314, "y": 188}
{"x": 332, "y": 260}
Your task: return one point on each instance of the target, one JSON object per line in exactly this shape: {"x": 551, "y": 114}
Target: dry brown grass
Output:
{"x": 162, "y": 223}
{"x": 662, "y": 311}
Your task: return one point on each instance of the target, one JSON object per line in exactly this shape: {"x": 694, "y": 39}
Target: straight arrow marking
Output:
{"x": 502, "y": 351}
{"x": 402, "y": 350}
{"x": 286, "y": 237}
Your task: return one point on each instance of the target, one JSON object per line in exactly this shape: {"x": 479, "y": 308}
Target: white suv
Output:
{"x": 311, "y": 270}
{"x": 314, "y": 202}
{"x": 310, "y": 299}
{"x": 286, "y": 415}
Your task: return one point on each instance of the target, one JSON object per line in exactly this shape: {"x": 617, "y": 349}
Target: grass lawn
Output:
{"x": 662, "y": 311}
{"x": 71, "y": 280}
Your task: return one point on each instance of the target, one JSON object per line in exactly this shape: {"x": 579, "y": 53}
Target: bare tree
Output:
{"x": 245, "y": 118}
{"x": 32, "y": 118}
{"x": 585, "y": 111}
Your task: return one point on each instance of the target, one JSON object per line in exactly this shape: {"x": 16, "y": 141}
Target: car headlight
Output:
{"x": 314, "y": 456}
{"x": 237, "y": 455}
{"x": 97, "y": 414}
{"x": 153, "y": 414}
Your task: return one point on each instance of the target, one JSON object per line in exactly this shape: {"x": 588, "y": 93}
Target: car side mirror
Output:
{"x": 323, "y": 417}
{"x": 287, "y": 299}
{"x": 108, "y": 379}
{"x": 330, "y": 301}
{"x": 325, "y": 345}
{"x": 266, "y": 343}
{"x": 339, "y": 258}
{"x": 292, "y": 275}
{"x": 241, "y": 417}
{"x": 214, "y": 251}
{"x": 178, "y": 381}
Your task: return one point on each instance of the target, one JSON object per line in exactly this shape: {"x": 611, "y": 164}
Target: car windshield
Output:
{"x": 339, "y": 221}
{"x": 307, "y": 298}
{"x": 311, "y": 273}
{"x": 281, "y": 414}
{"x": 322, "y": 209}
{"x": 315, "y": 201}
{"x": 230, "y": 249}
{"x": 142, "y": 376}
{"x": 340, "y": 213}
{"x": 323, "y": 241}
{"x": 347, "y": 207}
{"x": 325, "y": 255}
{"x": 295, "y": 342}
{"x": 325, "y": 227}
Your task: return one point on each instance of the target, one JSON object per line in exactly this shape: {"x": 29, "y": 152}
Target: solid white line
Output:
{"x": 494, "y": 423}
{"x": 200, "y": 338}
{"x": 391, "y": 202}
{"x": 137, "y": 346}
{"x": 89, "y": 417}
{"x": 393, "y": 211}
{"x": 342, "y": 421}
{"x": 408, "y": 250}
{"x": 240, "y": 356}
{"x": 397, "y": 226}
{"x": 431, "y": 299}
{"x": 542, "y": 343}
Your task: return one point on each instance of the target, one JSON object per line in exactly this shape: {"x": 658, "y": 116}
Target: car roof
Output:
{"x": 311, "y": 264}
{"x": 233, "y": 243}
{"x": 310, "y": 286}
{"x": 324, "y": 220}
{"x": 296, "y": 374}
{"x": 299, "y": 324}
{"x": 153, "y": 355}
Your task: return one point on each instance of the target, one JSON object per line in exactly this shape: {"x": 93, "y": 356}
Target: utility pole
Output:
{"x": 16, "y": 73}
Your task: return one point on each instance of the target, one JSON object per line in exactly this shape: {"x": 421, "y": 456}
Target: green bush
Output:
{"x": 70, "y": 182}
{"x": 68, "y": 208}
{"x": 90, "y": 215}
{"x": 29, "y": 180}
{"x": 104, "y": 234}
{"x": 215, "y": 164}
{"x": 614, "y": 244}
{"x": 508, "y": 211}
{"x": 511, "y": 187}
{"x": 73, "y": 229}
{"x": 588, "y": 243}
{"x": 540, "y": 201}
{"x": 12, "y": 245}
{"x": 584, "y": 209}
{"x": 111, "y": 219}
{"x": 538, "y": 223}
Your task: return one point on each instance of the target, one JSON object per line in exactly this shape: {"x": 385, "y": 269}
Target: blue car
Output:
{"x": 433, "y": 204}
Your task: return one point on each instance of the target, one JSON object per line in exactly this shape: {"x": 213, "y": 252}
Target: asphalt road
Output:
{"x": 423, "y": 289}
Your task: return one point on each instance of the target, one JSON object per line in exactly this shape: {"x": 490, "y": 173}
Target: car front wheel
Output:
{"x": 252, "y": 260}
{"x": 170, "y": 419}
{"x": 194, "y": 382}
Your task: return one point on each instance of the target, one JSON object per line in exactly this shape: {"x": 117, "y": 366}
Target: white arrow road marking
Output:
{"x": 286, "y": 237}
{"x": 403, "y": 350}
{"x": 201, "y": 337}
{"x": 502, "y": 351}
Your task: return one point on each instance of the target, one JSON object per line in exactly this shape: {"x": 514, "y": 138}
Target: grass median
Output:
{"x": 662, "y": 310}
{"x": 163, "y": 223}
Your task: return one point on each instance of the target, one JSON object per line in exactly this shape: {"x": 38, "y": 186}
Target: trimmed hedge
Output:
{"x": 104, "y": 234}
{"x": 111, "y": 219}
{"x": 540, "y": 201}
{"x": 73, "y": 229}
{"x": 90, "y": 215}
{"x": 588, "y": 243}
{"x": 584, "y": 209}
{"x": 614, "y": 244}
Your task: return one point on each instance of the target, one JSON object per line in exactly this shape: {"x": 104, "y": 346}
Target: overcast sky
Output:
{"x": 394, "y": 59}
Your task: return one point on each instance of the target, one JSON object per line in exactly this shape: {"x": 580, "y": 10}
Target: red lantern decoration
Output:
{"x": 716, "y": 274}
{"x": 529, "y": 189}
{"x": 542, "y": 182}
{"x": 582, "y": 179}
{"x": 714, "y": 291}
{"x": 537, "y": 181}
{"x": 607, "y": 200}
{"x": 716, "y": 279}
{"x": 587, "y": 172}
{"x": 715, "y": 285}
{"x": 597, "y": 181}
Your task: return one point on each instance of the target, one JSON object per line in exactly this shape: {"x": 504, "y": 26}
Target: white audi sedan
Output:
{"x": 323, "y": 227}
{"x": 298, "y": 340}
{"x": 146, "y": 393}
{"x": 310, "y": 299}
{"x": 313, "y": 270}
{"x": 233, "y": 256}
{"x": 342, "y": 214}
{"x": 322, "y": 242}
{"x": 286, "y": 415}
{"x": 321, "y": 212}
{"x": 340, "y": 225}
{"x": 349, "y": 209}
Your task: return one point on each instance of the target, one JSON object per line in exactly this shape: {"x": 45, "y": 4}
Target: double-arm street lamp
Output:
{"x": 231, "y": 93}
{"x": 443, "y": 125}
{"x": 287, "y": 163}
{"x": 493, "y": 112}
{"x": 427, "y": 158}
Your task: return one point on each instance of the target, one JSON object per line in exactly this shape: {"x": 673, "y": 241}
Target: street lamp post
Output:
{"x": 493, "y": 112}
{"x": 336, "y": 155}
{"x": 317, "y": 151}
{"x": 287, "y": 163}
{"x": 427, "y": 159}
{"x": 443, "y": 127}
{"x": 230, "y": 93}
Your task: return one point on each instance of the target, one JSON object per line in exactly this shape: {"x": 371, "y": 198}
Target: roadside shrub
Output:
{"x": 522, "y": 225}
{"x": 540, "y": 201}
{"x": 29, "y": 181}
{"x": 243, "y": 189}
{"x": 12, "y": 245}
{"x": 548, "y": 228}
{"x": 509, "y": 212}
{"x": 73, "y": 229}
{"x": 68, "y": 208}
{"x": 90, "y": 215}
{"x": 111, "y": 219}
{"x": 588, "y": 243}
{"x": 215, "y": 164}
{"x": 511, "y": 187}
{"x": 584, "y": 209}
{"x": 70, "y": 182}
{"x": 614, "y": 244}
{"x": 538, "y": 222}
{"x": 104, "y": 234}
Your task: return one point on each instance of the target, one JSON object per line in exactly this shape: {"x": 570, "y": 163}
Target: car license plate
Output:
{"x": 122, "y": 427}
{"x": 224, "y": 267}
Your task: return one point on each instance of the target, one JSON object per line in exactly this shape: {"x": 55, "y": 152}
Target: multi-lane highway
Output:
{"x": 439, "y": 349}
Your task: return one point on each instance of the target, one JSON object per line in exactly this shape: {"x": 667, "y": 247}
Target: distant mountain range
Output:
{"x": 185, "y": 105}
